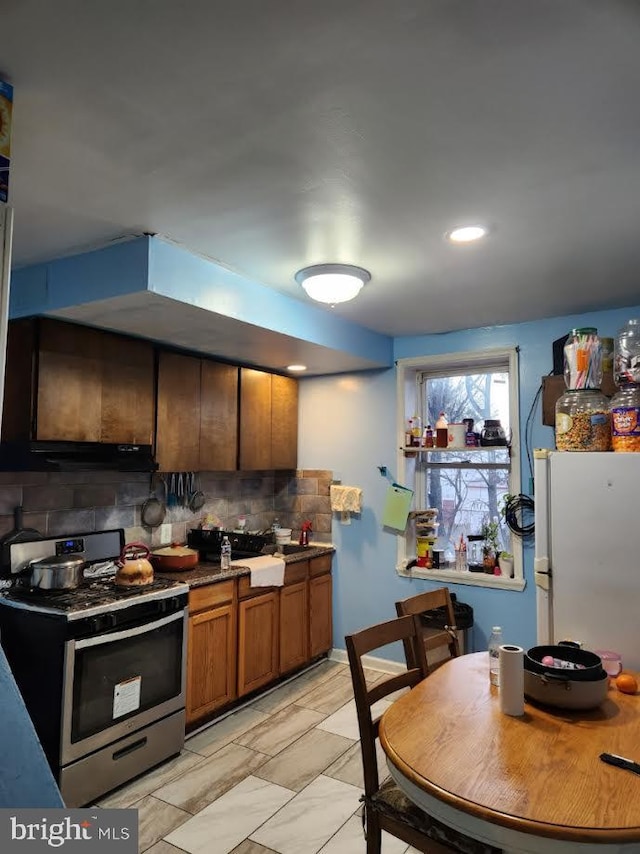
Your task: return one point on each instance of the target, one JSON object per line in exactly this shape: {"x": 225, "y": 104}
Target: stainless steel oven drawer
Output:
{"x": 84, "y": 781}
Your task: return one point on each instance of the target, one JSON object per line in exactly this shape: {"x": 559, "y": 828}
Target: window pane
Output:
{"x": 478, "y": 396}
{"x": 466, "y": 499}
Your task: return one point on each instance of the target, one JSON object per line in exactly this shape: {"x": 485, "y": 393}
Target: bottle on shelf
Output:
{"x": 225, "y": 553}
{"x": 427, "y": 440}
{"x": 416, "y": 429}
{"x": 495, "y": 642}
{"x": 442, "y": 431}
{"x": 408, "y": 433}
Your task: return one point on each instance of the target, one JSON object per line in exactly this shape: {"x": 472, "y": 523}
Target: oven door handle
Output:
{"x": 129, "y": 633}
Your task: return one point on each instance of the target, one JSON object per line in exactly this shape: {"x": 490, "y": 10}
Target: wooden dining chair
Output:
{"x": 385, "y": 806}
{"x": 440, "y": 644}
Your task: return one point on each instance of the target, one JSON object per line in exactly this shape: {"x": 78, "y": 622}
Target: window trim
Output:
{"x": 406, "y": 373}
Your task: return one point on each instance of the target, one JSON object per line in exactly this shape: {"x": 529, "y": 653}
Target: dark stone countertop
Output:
{"x": 210, "y": 573}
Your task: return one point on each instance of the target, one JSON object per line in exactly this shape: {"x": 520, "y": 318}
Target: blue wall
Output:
{"x": 348, "y": 423}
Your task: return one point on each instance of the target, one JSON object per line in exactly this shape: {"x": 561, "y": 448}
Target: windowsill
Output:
{"x": 474, "y": 579}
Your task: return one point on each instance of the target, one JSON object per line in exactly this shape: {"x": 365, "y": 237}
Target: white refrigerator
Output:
{"x": 6, "y": 230}
{"x": 587, "y": 550}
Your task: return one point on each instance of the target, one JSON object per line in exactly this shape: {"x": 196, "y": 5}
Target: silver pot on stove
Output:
{"x": 58, "y": 572}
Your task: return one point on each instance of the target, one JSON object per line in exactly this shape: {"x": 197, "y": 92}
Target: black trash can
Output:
{"x": 437, "y": 619}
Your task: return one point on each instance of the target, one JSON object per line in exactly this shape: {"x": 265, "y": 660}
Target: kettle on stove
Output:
{"x": 134, "y": 567}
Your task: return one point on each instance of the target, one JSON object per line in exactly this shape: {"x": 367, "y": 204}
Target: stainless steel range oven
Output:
{"x": 102, "y": 673}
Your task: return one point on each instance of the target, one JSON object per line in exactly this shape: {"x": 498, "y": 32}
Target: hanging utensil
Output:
{"x": 154, "y": 509}
{"x": 180, "y": 489}
{"x": 198, "y": 498}
{"x": 172, "y": 500}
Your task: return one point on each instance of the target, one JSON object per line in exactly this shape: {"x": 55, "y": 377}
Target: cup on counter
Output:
{"x": 283, "y": 536}
{"x": 611, "y": 661}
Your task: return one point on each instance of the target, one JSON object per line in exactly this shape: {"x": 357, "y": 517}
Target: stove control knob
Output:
{"x": 95, "y": 624}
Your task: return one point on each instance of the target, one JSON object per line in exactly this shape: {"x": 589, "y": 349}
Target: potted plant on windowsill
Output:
{"x": 490, "y": 532}
{"x": 505, "y": 562}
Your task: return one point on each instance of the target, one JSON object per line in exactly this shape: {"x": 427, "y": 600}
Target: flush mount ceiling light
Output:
{"x": 332, "y": 283}
{"x": 467, "y": 233}
{"x": 296, "y": 368}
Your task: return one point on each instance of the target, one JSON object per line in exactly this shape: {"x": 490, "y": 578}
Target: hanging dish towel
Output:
{"x": 346, "y": 500}
{"x": 266, "y": 571}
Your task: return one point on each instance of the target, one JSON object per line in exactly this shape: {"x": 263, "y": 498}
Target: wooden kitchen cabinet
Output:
{"x": 197, "y": 414}
{"x": 257, "y": 642}
{"x": 269, "y": 421}
{"x": 284, "y": 422}
{"x": 178, "y": 424}
{"x": 320, "y": 614}
{"x": 218, "y": 416}
{"x": 294, "y": 626}
{"x": 66, "y": 382}
{"x": 212, "y": 649}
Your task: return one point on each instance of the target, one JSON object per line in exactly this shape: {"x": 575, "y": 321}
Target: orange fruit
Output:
{"x": 627, "y": 683}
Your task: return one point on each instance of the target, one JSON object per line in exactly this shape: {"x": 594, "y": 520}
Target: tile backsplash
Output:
{"x": 60, "y": 503}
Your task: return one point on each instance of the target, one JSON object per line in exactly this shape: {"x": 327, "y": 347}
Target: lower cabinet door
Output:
{"x": 320, "y": 615}
{"x": 211, "y": 661}
{"x": 294, "y": 626}
{"x": 257, "y": 642}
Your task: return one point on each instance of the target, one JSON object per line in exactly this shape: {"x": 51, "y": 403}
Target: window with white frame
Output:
{"x": 467, "y": 486}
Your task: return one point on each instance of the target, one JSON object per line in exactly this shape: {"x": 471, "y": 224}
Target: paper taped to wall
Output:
{"x": 397, "y": 507}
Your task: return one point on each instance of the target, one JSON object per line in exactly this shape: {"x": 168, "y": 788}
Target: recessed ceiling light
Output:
{"x": 296, "y": 367}
{"x": 332, "y": 283}
{"x": 467, "y": 233}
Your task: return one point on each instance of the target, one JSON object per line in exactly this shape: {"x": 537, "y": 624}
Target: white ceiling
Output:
{"x": 273, "y": 135}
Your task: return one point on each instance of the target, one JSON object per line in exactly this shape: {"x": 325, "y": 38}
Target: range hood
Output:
{"x": 75, "y": 456}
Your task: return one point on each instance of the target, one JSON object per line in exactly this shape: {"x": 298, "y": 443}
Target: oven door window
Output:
{"x": 116, "y": 680}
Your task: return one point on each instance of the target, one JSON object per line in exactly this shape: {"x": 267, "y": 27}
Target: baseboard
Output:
{"x": 370, "y": 661}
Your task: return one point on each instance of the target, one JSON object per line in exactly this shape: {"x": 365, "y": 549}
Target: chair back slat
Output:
{"x": 384, "y": 687}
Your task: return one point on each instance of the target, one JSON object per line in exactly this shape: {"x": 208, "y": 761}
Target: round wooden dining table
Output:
{"x": 531, "y": 784}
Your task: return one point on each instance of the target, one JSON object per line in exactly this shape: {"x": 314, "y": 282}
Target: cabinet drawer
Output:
{"x": 245, "y": 590}
{"x": 296, "y": 572}
{"x": 320, "y": 565}
{"x": 210, "y": 595}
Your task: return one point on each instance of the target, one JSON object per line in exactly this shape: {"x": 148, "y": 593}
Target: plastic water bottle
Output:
{"x": 225, "y": 553}
{"x": 495, "y": 642}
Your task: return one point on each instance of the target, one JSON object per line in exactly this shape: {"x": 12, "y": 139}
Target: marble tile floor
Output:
{"x": 282, "y": 775}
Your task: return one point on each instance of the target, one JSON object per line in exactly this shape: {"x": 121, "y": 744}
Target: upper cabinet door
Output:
{"x": 128, "y": 391}
{"x": 255, "y": 420}
{"x": 178, "y": 424}
{"x": 218, "y": 417}
{"x": 284, "y": 422}
{"x": 69, "y": 383}
{"x": 87, "y": 385}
